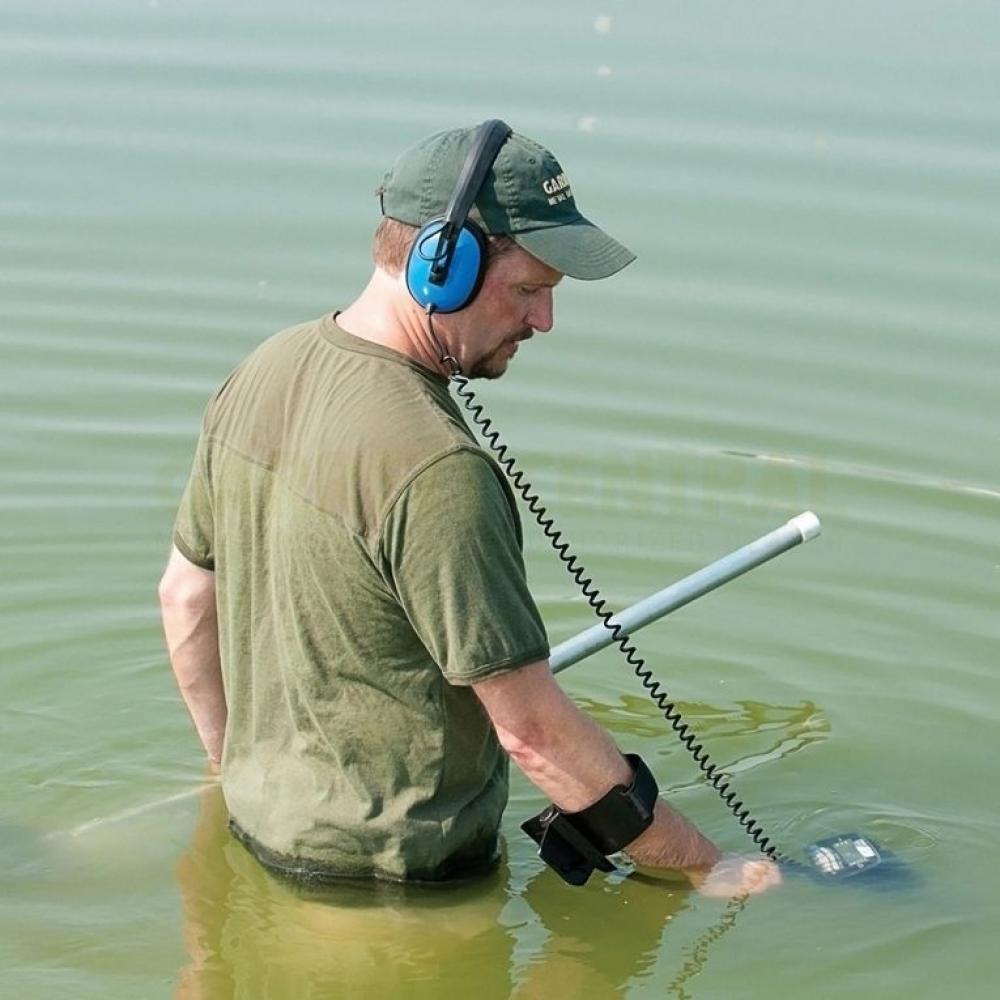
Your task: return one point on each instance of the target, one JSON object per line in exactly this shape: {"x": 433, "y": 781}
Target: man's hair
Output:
{"x": 393, "y": 240}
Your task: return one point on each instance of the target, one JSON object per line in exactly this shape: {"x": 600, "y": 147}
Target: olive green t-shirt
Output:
{"x": 368, "y": 569}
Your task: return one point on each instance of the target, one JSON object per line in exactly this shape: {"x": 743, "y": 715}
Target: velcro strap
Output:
{"x": 574, "y": 844}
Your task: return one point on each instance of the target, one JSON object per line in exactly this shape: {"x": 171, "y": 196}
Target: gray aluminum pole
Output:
{"x": 799, "y": 529}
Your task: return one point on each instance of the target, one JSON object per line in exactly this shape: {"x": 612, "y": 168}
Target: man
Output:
{"x": 346, "y": 606}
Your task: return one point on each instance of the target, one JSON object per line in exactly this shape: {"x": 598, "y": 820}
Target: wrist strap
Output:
{"x": 574, "y": 844}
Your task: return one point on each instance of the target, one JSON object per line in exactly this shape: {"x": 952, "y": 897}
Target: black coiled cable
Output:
{"x": 716, "y": 778}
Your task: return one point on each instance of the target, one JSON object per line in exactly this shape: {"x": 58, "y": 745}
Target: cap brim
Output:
{"x": 577, "y": 249}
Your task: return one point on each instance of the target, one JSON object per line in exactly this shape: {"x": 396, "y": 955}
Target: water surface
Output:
{"x": 813, "y": 194}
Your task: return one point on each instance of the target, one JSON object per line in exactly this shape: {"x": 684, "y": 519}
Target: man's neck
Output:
{"x": 385, "y": 314}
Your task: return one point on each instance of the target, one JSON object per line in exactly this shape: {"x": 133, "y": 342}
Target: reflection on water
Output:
{"x": 740, "y": 737}
{"x": 242, "y": 925}
{"x": 756, "y": 733}
{"x": 250, "y": 934}
{"x": 698, "y": 954}
{"x": 244, "y": 929}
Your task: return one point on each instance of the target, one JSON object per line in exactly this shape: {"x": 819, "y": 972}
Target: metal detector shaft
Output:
{"x": 801, "y": 528}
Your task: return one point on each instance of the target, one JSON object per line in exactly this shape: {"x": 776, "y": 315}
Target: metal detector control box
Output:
{"x": 844, "y": 855}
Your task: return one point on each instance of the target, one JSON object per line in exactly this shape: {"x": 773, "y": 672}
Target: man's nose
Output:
{"x": 540, "y": 316}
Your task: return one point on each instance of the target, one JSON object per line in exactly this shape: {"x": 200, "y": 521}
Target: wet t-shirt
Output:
{"x": 368, "y": 569}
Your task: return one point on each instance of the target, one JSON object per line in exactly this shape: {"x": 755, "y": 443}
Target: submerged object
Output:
{"x": 855, "y": 858}
{"x": 844, "y": 856}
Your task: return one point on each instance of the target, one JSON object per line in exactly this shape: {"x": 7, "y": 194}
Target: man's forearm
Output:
{"x": 583, "y": 765}
{"x": 192, "y": 634}
{"x": 575, "y": 762}
{"x": 673, "y": 842}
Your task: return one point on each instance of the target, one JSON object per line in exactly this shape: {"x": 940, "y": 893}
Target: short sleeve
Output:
{"x": 194, "y": 531}
{"x": 450, "y": 549}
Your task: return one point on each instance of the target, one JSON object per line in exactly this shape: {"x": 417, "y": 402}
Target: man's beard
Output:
{"x": 493, "y": 365}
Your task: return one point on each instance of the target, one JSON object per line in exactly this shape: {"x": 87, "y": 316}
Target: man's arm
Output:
{"x": 187, "y": 604}
{"x": 574, "y": 762}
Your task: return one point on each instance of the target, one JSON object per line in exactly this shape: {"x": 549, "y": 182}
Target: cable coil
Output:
{"x": 719, "y": 780}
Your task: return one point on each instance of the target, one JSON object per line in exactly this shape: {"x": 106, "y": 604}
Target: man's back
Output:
{"x": 354, "y": 528}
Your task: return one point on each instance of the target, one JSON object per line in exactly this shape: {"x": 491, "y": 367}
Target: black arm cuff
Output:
{"x": 574, "y": 844}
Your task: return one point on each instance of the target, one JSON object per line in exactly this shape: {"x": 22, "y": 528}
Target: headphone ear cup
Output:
{"x": 465, "y": 272}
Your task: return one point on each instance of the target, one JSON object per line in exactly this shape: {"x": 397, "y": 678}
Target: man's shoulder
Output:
{"x": 464, "y": 480}
{"x": 277, "y": 344}
{"x": 267, "y": 361}
{"x": 461, "y": 466}
{"x": 346, "y": 430}
{"x": 414, "y": 436}
{"x": 414, "y": 421}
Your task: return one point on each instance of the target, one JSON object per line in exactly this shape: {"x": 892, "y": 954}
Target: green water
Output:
{"x": 814, "y": 194}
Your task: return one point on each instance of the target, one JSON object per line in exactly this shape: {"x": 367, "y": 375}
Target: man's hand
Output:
{"x": 735, "y": 875}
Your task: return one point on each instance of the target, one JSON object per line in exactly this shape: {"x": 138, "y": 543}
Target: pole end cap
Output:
{"x": 807, "y": 524}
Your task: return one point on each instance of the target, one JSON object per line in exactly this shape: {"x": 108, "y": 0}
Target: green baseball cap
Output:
{"x": 526, "y": 195}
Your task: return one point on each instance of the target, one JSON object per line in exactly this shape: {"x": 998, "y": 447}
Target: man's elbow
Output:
{"x": 525, "y": 745}
{"x": 185, "y": 588}
{"x": 527, "y": 709}
{"x": 168, "y": 593}
{"x": 184, "y": 596}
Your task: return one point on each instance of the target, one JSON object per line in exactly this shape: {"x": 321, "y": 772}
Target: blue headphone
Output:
{"x": 447, "y": 261}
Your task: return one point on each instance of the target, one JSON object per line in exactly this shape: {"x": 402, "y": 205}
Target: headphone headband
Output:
{"x": 447, "y": 260}
{"x": 486, "y": 146}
